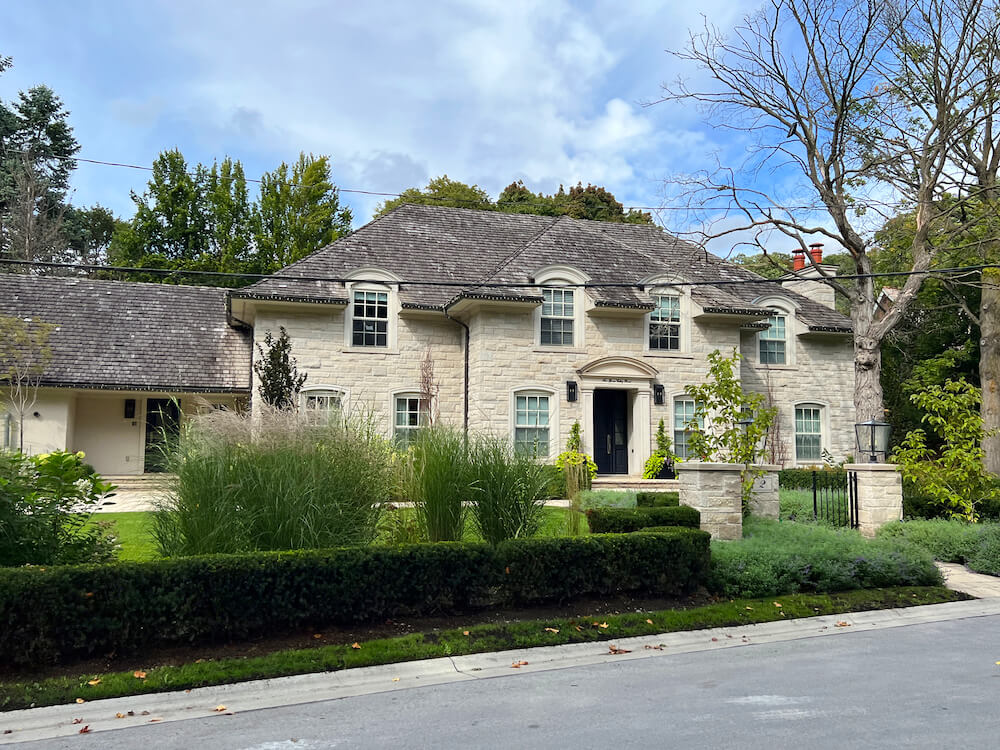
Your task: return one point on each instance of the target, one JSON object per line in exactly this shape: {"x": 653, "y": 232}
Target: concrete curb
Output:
{"x": 58, "y": 721}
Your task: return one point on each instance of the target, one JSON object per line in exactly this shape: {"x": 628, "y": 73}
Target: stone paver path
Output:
{"x": 960, "y": 578}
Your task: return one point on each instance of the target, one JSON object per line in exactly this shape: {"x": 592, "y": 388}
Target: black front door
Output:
{"x": 163, "y": 424}
{"x": 611, "y": 431}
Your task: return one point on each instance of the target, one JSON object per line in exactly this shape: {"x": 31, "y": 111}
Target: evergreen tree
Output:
{"x": 280, "y": 381}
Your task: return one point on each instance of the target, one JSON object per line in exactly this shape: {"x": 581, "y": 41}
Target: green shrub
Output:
{"x": 606, "y": 499}
{"x": 947, "y": 540}
{"x": 561, "y": 569}
{"x": 60, "y": 613}
{"x": 776, "y": 558}
{"x": 986, "y": 556}
{"x": 508, "y": 490}
{"x": 657, "y": 499}
{"x": 555, "y": 482}
{"x": 802, "y": 479}
{"x": 438, "y": 480}
{"x": 277, "y": 481}
{"x": 46, "y": 502}
{"x": 625, "y": 520}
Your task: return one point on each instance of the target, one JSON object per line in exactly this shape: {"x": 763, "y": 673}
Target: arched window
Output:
{"x": 808, "y": 432}
{"x": 370, "y": 320}
{"x": 323, "y": 399}
{"x": 773, "y": 342}
{"x": 559, "y": 320}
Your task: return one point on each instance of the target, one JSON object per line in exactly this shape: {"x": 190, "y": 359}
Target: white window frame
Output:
{"x": 781, "y": 308}
{"x": 397, "y": 430}
{"x": 823, "y": 431}
{"x": 324, "y": 391}
{"x": 369, "y": 281}
{"x": 557, "y": 278}
{"x": 682, "y": 429}
{"x": 667, "y": 287}
{"x": 8, "y": 431}
{"x": 551, "y": 394}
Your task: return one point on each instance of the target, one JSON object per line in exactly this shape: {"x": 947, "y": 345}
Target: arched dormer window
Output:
{"x": 372, "y": 310}
{"x": 775, "y": 344}
{"x": 559, "y": 321}
{"x": 323, "y": 399}
{"x": 668, "y": 324}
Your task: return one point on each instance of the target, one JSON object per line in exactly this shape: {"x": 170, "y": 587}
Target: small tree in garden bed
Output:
{"x": 24, "y": 355}
{"x": 721, "y": 404}
{"x": 951, "y": 476}
{"x": 579, "y": 470}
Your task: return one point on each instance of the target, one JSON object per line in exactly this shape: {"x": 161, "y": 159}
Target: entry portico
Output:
{"x": 617, "y": 393}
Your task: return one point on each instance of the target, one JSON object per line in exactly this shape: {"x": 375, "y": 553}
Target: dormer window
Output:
{"x": 558, "y": 317}
{"x": 370, "y": 321}
{"x": 773, "y": 342}
{"x": 665, "y": 323}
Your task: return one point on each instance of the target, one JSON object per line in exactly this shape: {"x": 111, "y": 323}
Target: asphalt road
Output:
{"x": 934, "y": 685}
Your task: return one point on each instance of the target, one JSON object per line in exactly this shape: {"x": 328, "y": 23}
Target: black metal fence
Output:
{"x": 835, "y": 502}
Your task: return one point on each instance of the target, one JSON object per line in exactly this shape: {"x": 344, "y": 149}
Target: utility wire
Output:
{"x": 469, "y": 282}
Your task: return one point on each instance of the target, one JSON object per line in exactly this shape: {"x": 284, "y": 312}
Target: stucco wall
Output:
{"x": 113, "y": 444}
{"x": 50, "y": 430}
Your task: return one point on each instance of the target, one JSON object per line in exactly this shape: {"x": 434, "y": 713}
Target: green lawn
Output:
{"x": 137, "y": 543}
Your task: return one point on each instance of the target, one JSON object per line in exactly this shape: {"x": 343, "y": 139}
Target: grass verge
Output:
{"x": 455, "y": 642}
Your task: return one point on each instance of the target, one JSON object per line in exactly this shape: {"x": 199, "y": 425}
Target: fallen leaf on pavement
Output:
{"x": 85, "y": 729}
{"x": 395, "y": 679}
{"x": 155, "y": 719}
{"x": 658, "y": 647}
{"x": 80, "y": 700}
{"x": 518, "y": 664}
{"x": 613, "y": 649}
{"x": 119, "y": 715}
{"x": 843, "y": 624}
{"x": 220, "y": 708}
{"x": 714, "y": 640}
{"x": 77, "y": 721}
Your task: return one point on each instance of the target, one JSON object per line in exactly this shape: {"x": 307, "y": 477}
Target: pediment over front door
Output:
{"x": 618, "y": 367}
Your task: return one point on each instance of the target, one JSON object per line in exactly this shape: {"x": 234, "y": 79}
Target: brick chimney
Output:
{"x": 816, "y": 251}
{"x": 798, "y": 260}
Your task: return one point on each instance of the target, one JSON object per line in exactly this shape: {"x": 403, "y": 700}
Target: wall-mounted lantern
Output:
{"x": 873, "y": 438}
{"x": 571, "y": 390}
{"x": 658, "y": 397}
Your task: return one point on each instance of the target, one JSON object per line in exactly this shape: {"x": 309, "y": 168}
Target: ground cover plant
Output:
{"x": 976, "y": 545}
{"x": 466, "y": 638}
{"x": 274, "y": 481}
{"x": 46, "y": 502}
{"x": 779, "y": 558}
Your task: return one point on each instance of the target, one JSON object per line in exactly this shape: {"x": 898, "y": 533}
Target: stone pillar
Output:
{"x": 714, "y": 490}
{"x": 764, "y": 502}
{"x": 880, "y": 495}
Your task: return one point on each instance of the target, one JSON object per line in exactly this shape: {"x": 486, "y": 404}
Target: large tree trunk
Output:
{"x": 989, "y": 366}
{"x": 868, "y": 403}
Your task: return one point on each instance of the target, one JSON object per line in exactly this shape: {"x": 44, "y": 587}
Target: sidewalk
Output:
{"x": 960, "y": 578}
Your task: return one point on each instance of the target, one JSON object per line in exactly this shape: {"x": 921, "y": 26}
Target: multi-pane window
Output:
{"x": 665, "y": 324}
{"x": 371, "y": 319}
{"x": 322, "y": 401}
{"x": 557, "y": 317}
{"x": 808, "y": 432}
{"x": 683, "y": 419}
{"x": 773, "y": 341}
{"x": 531, "y": 424}
{"x": 409, "y": 418}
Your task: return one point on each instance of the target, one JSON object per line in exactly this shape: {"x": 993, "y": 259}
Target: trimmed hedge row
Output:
{"x": 802, "y": 479}
{"x": 626, "y": 520}
{"x": 657, "y": 499}
{"x": 56, "y": 614}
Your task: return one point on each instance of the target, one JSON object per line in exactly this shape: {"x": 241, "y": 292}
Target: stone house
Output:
{"x": 530, "y": 324}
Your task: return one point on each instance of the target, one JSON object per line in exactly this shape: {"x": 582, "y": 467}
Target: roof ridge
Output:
{"x": 119, "y": 282}
{"x": 510, "y": 257}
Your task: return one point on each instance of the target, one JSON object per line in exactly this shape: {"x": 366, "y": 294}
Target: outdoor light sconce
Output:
{"x": 658, "y": 394}
{"x": 571, "y": 390}
{"x": 873, "y": 438}
{"x": 130, "y": 408}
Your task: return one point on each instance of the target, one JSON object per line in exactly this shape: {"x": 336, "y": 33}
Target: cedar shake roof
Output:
{"x": 435, "y": 244}
{"x": 133, "y": 336}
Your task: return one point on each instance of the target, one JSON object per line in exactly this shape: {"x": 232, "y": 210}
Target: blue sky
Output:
{"x": 395, "y": 92}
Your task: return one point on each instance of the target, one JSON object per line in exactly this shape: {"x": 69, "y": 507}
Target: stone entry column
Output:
{"x": 714, "y": 490}
{"x": 880, "y": 495}
{"x": 765, "y": 501}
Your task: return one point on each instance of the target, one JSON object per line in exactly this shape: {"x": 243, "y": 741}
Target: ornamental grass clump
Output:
{"x": 508, "y": 490}
{"x": 276, "y": 481}
{"x": 437, "y": 479}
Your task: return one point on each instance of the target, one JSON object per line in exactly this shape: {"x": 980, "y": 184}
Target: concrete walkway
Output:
{"x": 120, "y": 713}
{"x": 960, "y": 578}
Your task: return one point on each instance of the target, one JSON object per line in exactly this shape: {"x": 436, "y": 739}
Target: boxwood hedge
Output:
{"x": 625, "y": 520}
{"x": 657, "y": 499}
{"x": 57, "y": 614}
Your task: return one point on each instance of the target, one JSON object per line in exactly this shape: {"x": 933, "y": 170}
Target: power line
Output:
{"x": 470, "y": 283}
{"x": 384, "y": 194}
